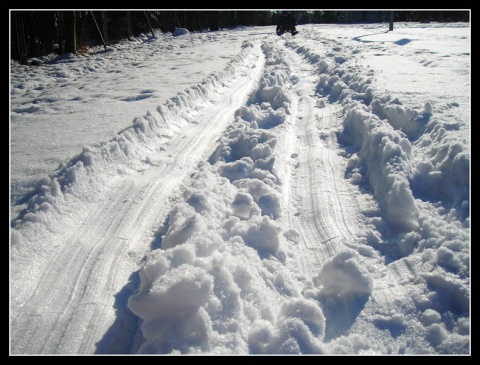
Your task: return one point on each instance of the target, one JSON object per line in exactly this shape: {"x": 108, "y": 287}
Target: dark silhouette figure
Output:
{"x": 287, "y": 23}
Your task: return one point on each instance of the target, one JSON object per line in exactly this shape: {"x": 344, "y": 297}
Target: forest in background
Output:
{"x": 34, "y": 33}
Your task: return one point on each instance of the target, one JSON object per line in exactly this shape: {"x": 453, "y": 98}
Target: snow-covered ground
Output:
{"x": 236, "y": 192}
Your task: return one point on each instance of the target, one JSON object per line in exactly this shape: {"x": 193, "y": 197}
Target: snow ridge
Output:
{"x": 131, "y": 147}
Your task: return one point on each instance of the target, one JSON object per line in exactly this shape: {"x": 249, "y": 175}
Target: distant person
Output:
{"x": 287, "y": 23}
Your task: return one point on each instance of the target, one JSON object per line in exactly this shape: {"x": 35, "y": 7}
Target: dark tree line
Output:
{"x": 40, "y": 32}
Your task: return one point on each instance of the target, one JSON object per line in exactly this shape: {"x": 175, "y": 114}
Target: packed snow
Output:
{"x": 239, "y": 192}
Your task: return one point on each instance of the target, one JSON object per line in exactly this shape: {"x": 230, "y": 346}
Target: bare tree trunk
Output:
{"x": 21, "y": 47}
{"x": 70, "y": 32}
{"x": 129, "y": 26}
{"x": 148, "y": 23}
{"x": 98, "y": 29}
{"x": 104, "y": 26}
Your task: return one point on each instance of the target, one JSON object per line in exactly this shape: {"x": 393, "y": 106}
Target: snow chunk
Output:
{"x": 259, "y": 233}
{"x": 244, "y": 207}
{"x": 182, "y": 291}
{"x": 344, "y": 277}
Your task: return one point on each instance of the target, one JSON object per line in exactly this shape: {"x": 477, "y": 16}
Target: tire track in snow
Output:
{"x": 54, "y": 318}
{"x": 326, "y": 218}
{"x": 60, "y": 287}
{"x": 328, "y": 215}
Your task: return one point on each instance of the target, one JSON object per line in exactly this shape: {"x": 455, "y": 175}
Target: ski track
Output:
{"x": 118, "y": 226}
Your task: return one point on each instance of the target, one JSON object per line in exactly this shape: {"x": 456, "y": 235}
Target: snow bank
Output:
{"x": 386, "y": 155}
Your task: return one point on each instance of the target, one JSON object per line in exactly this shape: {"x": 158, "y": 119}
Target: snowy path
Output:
{"x": 72, "y": 305}
{"x": 329, "y": 221}
{"x": 327, "y": 209}
{"x": 326, "y": 219}
{"x": 232, "y": 220}
{"x": 323, "y": 205}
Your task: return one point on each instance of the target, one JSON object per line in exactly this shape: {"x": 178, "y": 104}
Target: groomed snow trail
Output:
{"x": 68, "y": 304}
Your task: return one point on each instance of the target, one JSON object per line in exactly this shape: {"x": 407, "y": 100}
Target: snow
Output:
{"x": 236, "y": 192}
